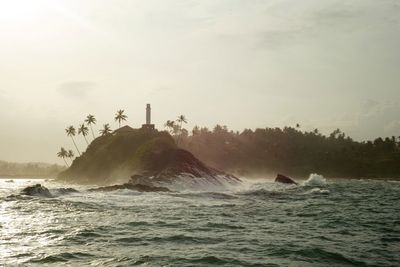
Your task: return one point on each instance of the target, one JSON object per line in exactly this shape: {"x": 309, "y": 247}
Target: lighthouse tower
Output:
{"x": 148, "y": 114}
{"x": 148, "y": 125}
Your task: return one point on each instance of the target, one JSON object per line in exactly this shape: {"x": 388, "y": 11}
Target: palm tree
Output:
{"x": 70, "y": 155}
{"x": 72, "y": 132}
{"x": 181, "y": 119}
{"x": 170, "y": 125}
{"x": 63, "y": 154}
{"x": 84, "y": 131}
{"x": 120, "y": 116}
{"x": 90, "y": 119}
{"x": 106, "y": 130}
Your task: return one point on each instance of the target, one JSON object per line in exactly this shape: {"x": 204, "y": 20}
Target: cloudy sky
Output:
{"x": 246, "y": 64}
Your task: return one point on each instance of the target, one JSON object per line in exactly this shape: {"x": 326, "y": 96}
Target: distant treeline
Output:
{"x": 29, "y": 170}
{"x": 292, "y": 151}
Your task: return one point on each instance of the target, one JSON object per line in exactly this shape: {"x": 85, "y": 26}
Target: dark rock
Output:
{"x": 284, "y": 180}
{"x": 177, "y": 167}
{"x": 64, "y": 191}
{"x": 36, "y": 190}
{"x": 134, "y": 187}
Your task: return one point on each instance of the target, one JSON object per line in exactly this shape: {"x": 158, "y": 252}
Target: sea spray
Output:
{"x": 315, "y": 180}
{"x": 288, "y": 225}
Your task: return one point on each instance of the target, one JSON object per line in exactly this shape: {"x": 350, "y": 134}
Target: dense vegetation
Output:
{"x": 291, "y": 151}
{"x": 116, "y": 156}
{"x": 31, "y": 170}
{"x": 250, "y": 152}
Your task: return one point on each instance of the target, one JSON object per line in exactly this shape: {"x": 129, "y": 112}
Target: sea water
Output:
{"x": 318, "y": 223}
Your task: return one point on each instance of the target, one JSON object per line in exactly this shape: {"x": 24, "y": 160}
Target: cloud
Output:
{"x": 76, "y": 89}
{"x": 309, "y": 21}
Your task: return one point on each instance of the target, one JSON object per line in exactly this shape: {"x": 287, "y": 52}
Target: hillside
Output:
{"x": 113, "y": 158}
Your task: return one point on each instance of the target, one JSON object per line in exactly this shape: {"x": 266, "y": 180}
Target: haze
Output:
{"x": 245, "y": 64}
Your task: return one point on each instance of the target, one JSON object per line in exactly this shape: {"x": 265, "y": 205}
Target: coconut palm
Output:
{"x": 63, "y": 154}
{"x": 70, "y": 155}
{"x": 84, "y": 131}
{"x": 170, "y": 125}
{"x": 72, "y": 132}
{"x": 120, "y": 116}
{"x": 90, "y": 120}
{"x": 181, "y": 119}
{"x": 106, "y": 130}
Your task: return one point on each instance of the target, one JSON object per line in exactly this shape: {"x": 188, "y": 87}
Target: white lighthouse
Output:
{"x": 148, "y": 125}
{"x": 148, "y": 114}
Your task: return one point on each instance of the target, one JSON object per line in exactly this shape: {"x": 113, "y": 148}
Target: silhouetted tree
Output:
{"x": 63, "y": 154}
{"x": 84, "y": 131}
{"x": 71, "y": 132}
{"x": 70, "y": 155}
{"x": 169, "y": 125}
{"x": 106, "y": 130}
{"x": 120, "y": 116}
{"x": 181, "y": 119}
{"x": 90, "y": 120}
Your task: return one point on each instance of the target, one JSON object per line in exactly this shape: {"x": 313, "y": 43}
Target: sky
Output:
{"x": 245, "y": 64}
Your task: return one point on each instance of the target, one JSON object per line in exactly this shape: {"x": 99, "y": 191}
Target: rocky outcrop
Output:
{"x": 284, "y": 180}
{"x": 36, "y": 190}
{"x": 145, "y": 158}
{"x": 179, "y": 169}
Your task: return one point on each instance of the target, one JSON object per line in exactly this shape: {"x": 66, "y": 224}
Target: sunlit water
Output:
{"x": 340, "y": 223}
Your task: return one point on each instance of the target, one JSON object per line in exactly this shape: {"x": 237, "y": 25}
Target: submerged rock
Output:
{"x": 64, "y": 191}
{"x": 36, "y": 190}
{"x": 284, "y": 180}
{"x": 134, "y": 187}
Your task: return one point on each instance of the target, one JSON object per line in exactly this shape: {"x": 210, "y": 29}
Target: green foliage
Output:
{"x": 116, "y": 153}
{"x": 294, "y": 152}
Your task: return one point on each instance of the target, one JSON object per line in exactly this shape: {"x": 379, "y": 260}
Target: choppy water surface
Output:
{"x": 341, "y": 223}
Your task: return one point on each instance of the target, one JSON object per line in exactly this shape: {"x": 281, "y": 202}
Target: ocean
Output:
{"x": 318, "y": 223}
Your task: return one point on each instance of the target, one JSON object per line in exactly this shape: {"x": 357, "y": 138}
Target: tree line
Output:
{"x": 11, "y": 169}
{"x": 270, "y": 150}
{"x": 293, "y": 151}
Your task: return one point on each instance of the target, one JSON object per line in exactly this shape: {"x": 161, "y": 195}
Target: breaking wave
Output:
{"x": 262, "y": 221}
{"x": 315, "y": 180}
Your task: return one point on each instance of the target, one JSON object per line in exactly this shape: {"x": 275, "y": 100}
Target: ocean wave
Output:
{"x": 318, "y": 191}
{"x": 315, "y": 180}
{"x": 63, "y": 191}
{"x": 182, "y": 238}
{"x": 212, "y": 195}
{"x": 60, "y": 257}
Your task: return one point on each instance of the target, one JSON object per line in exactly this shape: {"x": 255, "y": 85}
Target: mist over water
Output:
{"x": 318, "y": 223}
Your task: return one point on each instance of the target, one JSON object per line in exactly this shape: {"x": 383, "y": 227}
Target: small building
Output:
{"x": 148, "y": 125}
{"x": 124, "y": 130}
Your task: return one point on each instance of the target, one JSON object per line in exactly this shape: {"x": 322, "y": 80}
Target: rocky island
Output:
{"x": 141, "y": 159}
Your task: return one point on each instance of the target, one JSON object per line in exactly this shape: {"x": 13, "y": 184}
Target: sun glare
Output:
{"x": 21, "y": 11}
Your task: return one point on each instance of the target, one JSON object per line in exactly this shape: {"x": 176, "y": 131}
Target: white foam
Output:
{"x": 318, "y": 191}
{"x": 315, "y": 180}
